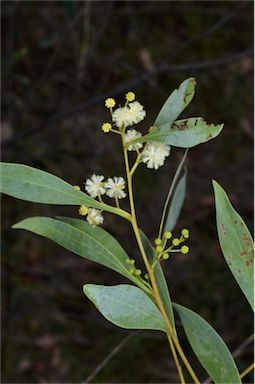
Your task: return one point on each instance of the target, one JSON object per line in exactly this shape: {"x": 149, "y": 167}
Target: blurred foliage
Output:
{"x": 56, "y": 55}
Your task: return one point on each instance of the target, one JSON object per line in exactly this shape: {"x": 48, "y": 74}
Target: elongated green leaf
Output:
{"x": 101, "y": 235}
{"x": 171, "y": 191}
{"x": 236, "y": 243}
{"x": 34, "y": 185}
{"x": 126, "y": 306}
{"x": 185, "y": 133}
{"x": 160, "y": 279}
{"x": 176, "y": 102}
{"x": 209, "y": 347}
{"x": 92, "y": 243}
{"x": 176, "y": 203}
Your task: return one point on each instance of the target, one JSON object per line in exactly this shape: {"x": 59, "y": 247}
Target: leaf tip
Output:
{"x": 87, "y": 290}
{"x": 216, "y": 185}
{"x": 16, "y": 226}
{"x": 193, "y": 81}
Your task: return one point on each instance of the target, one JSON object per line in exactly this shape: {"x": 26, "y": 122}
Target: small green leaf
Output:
{"x": 92, "y": 243}
{"x": 126, "y": 306}
{"x": 176, "y": 203}
{"x": 160, "y": 279}
{"x": 236, "y": 242}
{"x": 176, "y": 102}
{"x": 34, "y": 185}
{"x": 185, "y": 133}
{"x": 209, "y": 347}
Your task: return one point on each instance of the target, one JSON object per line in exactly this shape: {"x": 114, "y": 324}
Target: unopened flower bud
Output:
{"x": 167, "y": 235}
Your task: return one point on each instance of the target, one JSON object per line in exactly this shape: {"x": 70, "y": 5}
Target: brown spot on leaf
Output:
{"x": 180, "y": 126}
{"x": 243, "y": 253}
{"x": 247, "y": 263}
{"x": 242, "y": 224}
{"x": 245, "y": 237}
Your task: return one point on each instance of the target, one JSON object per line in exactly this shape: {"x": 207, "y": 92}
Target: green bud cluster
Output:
{"x": 132, "y": 268}
{"x": 138, "y": 273}
{"x": 161, "y": 248}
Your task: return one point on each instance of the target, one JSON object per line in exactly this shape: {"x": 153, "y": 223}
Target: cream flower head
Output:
{"x": 155, "y": 154}
{"x": 121, "y": 117}
{"x": 94, "y": 217}
{"x": 130, "y": 135}
{"x": 115, "y": 187}
{"x": 95, "y": 186}
{"x": 136, "y": 112}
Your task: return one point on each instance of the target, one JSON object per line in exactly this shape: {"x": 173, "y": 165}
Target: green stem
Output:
{"x": 137, "y": 162}
{"x": 117, "y": 202}
{"x": 247, "y": 370}
{"x": 177, "y": 363}
{"x": 150, "y": 270}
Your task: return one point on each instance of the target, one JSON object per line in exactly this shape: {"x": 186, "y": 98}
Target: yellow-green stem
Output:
{"x": 117, "y": 202}
{"x": 178, "y": 366}
{"x": 247, "y": 370}
{"x": 160, "y": 304}
{"x": 157, "y": 296}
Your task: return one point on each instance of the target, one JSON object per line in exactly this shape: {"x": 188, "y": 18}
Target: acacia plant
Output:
{"x": 145, "y": 304}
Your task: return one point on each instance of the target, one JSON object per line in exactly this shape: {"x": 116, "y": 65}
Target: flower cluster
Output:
{"x": 94, "y": 216}
{"x": 153, "y": 153}
{"x": 112, "y": 187}
{"x": 128, "y": 115}
{"x": 162, "y": 250}
{"x": 96, "y": 186}
{"x": 131, "y": 113}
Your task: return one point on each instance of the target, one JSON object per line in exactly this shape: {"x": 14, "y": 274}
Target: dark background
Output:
{"x": 60, "y": 60}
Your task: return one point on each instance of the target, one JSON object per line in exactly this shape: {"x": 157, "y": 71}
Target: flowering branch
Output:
{"x": 146, "y": 305}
